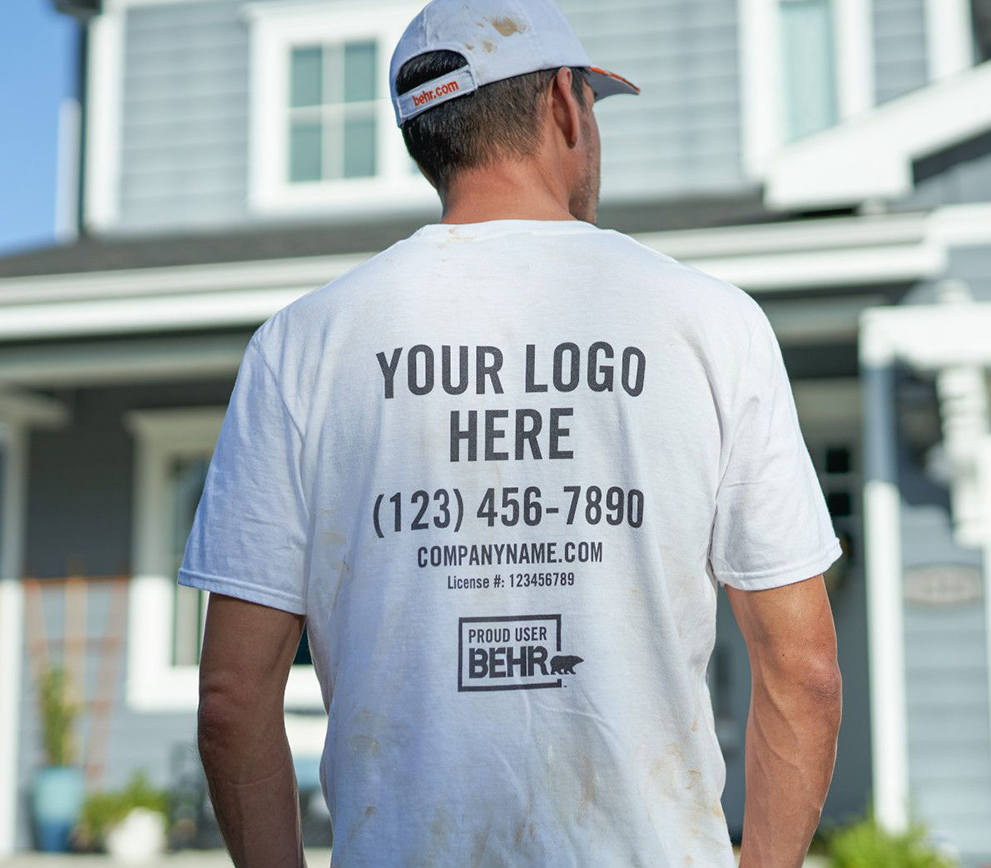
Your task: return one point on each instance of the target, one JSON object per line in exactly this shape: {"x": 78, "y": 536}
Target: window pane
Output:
{"x": 359, "y": 71}
{"x": 809, "y": 76}
{"x": 306, "y": 76}
{"x": 304, "y": 151}
{"x": 186, "y": 480}
{"x": 359, "y": 147}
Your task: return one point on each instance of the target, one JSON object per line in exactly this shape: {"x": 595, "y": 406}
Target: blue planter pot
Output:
{"x": 57, "y": 794}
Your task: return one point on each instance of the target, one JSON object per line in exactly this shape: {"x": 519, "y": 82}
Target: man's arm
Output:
{"x": 795, "y": 711}
{"x": 247, "y": 652}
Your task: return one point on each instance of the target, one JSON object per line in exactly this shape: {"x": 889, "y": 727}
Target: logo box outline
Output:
{"x": 474, "y": 619}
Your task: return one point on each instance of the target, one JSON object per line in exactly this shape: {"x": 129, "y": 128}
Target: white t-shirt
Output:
{"x": 502, "y": 468}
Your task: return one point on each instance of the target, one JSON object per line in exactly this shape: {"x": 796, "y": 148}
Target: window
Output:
{"x": 332, "y": 124}
{"x": 981, "y": 12}
{"x": 808, "y": 77}
{"x": 323, "y": 132}
{"x": 166, "y": 620}
{"x": 805, "y": 65}
{"x": 186, "y": 476}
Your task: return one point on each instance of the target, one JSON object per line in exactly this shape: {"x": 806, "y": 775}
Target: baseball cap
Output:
{"x": 499, "y": 39}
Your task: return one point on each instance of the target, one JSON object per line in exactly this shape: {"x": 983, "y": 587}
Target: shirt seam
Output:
{"x": 263, "y": 590}
{"x": 774, "y": 572}
{"x": 278, "y": 387}
{"x": 741, "y": 378}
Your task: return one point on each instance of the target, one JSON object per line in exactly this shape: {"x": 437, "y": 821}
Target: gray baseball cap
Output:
{"x": 499, "y": 39}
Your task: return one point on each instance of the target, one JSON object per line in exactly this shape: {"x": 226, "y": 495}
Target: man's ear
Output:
{"x": 565, "y": 111}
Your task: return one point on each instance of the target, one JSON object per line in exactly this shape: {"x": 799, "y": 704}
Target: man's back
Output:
{"x": 505, "y": 465}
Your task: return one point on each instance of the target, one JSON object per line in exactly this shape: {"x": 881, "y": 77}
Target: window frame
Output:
{"x": 277, "y": 27}
{"x": 761, "y": 75}
{"x": 154, "y": 683}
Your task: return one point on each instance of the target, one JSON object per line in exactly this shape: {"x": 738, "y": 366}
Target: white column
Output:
{"x": 13, "y": 442}
{"x": 883, "y": 564}
{"x": 962, "y": 391}
{"x": 984, "y": 475}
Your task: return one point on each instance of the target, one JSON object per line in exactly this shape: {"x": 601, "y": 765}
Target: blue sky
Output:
{"x": 37, "y": 70}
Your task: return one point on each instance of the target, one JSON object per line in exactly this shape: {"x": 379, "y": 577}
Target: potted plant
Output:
{"x": 130, "y": 823}
{"x": 866, "y": 844}
{"x": 57, "y": 787}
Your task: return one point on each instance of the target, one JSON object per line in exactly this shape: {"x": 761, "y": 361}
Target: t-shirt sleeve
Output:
{"x": 771, "y": 524}
{"x": 249, "y": 533}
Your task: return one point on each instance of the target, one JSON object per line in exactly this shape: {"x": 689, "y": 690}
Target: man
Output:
{"x": 501, "y": 471}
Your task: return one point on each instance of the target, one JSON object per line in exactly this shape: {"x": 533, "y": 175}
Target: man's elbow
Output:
{"x": 217, "y": 724}
{"x": 826, "y": 681}
{"x": 813, "y": 682}
{"x": 822, "y": 686}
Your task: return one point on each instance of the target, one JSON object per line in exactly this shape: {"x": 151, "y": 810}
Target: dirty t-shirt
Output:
{"x": 502, "y": 468}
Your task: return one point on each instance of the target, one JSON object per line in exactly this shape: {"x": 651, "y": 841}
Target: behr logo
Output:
{"x": 512, "y": 652}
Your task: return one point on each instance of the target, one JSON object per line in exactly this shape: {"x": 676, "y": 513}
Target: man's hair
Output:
{"x": 501, "y": 119}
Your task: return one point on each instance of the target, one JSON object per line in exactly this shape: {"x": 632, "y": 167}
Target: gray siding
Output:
{"x": 900, "y": 61}
{"x": 185, "y": 115}
{"x": 956, "y": 175}
{"x": 971, "y": 264}
{"x": 682, "y": 134}
{"x": 949, "y": 765}
{"x": 949, "y": 731}
{"x": 184, "y": 157}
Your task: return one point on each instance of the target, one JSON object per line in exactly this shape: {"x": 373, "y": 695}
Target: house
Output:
{"x": 831, "y": 157}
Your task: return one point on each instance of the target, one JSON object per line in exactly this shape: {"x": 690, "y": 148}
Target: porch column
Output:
{"x": 883, "y": 567}
{"x": 13, "y": 493}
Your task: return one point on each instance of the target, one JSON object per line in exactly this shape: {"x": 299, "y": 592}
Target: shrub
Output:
{"x": 104, "y": 809}
{"x": 865, "y": 844}
{"x": 58, "y": 716}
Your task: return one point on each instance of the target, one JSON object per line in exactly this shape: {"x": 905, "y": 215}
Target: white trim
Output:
{"x": 67, "y": 171}
{"x": 119, "y": 5}
{"x": 176, "y": 358}
{"x": 760, "y": 81}
{"x": 803, "y": 254}
{"x": 883, "y": 571}
{"x": 165, "y": 313}
{"x": 932, "y": 336}
{"x": 13, "y": 440}
{"x": 761, "y": 74}
{"x": 19, "y": 408}
{"x": 105, "y": 97}
{"x": 854, "y": 26}
{"x": 274, "y": 28}
{"x": 984, "y": 476}
{"x": 310, "y": 271}
{"x": 871, "y": 157}
{"x": 949, "y": 37}
{"x": 153, "y": 683}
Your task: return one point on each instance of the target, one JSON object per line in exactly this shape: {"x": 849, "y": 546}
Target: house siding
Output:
{"x": 184, "y": 138}
{"x": 946, "y": 676}
{"x": 957, "y": 175}
{"x": 185, "y": 116}
{"x": 900, "y": 56}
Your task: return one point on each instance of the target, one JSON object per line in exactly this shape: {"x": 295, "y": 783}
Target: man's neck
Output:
{"x": 505, "y": 191}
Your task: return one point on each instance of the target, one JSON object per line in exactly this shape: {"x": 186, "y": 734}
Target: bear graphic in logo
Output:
{"x": 564, "y": 664}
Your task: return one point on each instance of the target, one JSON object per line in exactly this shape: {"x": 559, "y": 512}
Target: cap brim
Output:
{"x": 605, "y": 83}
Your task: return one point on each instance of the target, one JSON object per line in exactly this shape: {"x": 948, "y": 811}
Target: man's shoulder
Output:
{"x": 319, "y": 305}
{"x": 645, "y": 257}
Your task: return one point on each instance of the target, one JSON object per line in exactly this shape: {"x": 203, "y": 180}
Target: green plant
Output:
{"x": 102, "y": 810}
{"x": 58, "y": 715}
{"x": 865, "y": 844}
